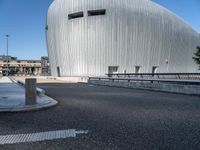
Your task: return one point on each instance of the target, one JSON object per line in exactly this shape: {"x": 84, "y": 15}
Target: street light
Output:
{"x": 7, "y": 36}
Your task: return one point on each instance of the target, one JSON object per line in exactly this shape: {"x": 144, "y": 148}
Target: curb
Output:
{"x": 43, "y": 101}
{"x": 49, "y": 102}
{"x": 39, "y": 91}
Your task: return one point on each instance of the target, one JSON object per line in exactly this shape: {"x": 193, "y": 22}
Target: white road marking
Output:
{"x": 40, "y": 136}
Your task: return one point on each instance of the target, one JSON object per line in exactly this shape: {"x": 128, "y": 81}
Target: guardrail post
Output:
{"x": 30, "y": 91}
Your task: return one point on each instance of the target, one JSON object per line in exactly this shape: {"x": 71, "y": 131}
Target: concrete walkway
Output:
{"x": 5, "y": 80}
{"x": 12, "y": 98}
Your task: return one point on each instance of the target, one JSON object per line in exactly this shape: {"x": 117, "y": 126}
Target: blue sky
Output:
{"x": 25, "y": 21}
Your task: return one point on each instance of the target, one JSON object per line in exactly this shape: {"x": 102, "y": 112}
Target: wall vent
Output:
{"x": 96, "y": 12}
{"x": 76, "y": 15}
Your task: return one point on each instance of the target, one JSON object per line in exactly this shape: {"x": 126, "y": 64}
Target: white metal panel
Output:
{"x": 132, "y": 33}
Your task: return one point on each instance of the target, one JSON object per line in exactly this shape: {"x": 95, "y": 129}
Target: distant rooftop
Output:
{"x": 4, "y": 57}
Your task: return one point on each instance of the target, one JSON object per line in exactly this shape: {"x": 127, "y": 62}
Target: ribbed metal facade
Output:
{"x": 131, "y": 33}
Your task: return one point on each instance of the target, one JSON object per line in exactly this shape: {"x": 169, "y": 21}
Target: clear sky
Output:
{"x": 25, "y": 21}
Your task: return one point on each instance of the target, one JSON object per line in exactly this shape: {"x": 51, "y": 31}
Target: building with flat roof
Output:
{"x": 95, "y": 37}
{"x": 22, "y": 67}
{"x": 45, "y": 66}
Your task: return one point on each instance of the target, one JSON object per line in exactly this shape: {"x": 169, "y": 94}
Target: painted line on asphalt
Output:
{"x": 40, "y": 136}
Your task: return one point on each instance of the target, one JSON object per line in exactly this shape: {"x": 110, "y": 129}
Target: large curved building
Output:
{"x": 95, "y": 37}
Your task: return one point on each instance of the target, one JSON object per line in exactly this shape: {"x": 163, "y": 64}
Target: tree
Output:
{"x": 197, "y": 56}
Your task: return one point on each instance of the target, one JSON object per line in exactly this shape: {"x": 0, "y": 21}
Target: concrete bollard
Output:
{"x": 31, "y": 94}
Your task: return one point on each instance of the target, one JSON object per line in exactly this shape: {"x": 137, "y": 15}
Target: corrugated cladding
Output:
{"x": 131, "y": 33}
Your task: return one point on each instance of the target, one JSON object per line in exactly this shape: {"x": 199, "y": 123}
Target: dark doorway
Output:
{"x": 137, "y": 69}
{"x": 154, "y": 69}
{"x": 58, "y": 71}
{"x": 112, "y": 69}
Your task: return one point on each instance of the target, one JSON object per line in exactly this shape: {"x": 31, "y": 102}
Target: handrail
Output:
{"x": 194, "y": 76}
{"x": 39, "y": 91}
{"x": 148, "y": 79}
{"x": 154, "y": 74}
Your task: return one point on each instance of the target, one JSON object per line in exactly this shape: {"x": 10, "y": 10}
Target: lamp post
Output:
{"x": 7, "y": 36}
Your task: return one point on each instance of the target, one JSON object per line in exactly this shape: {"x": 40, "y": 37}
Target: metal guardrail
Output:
{"x": 38, "y": 90}
{"x": 152, "y": 80}
{"x": 189, "y": 76}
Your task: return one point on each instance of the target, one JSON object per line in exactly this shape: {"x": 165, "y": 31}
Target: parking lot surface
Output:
{"x": 115, "y": 118}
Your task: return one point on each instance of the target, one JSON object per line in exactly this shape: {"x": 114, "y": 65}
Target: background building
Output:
{"x": 23, "y": 67}
{"x": 95, "y": 37}
{"x": 45, "y": 66}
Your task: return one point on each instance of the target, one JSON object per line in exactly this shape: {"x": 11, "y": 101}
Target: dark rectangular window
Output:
{"x": 112, "y": 69}
{"x": 46, "y": 27}
{"x": 96, "y": 12}
{"x": 137, "y": 69}
{"x": 75, "y": 15}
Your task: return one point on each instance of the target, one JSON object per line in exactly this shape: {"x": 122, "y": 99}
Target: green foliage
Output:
{"x": 197, "y": 56}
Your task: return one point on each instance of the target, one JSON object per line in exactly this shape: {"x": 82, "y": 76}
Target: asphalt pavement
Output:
{"x": 115, "y": 118}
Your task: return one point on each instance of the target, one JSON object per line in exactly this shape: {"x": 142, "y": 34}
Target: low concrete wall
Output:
{"x": 174, "y": 88}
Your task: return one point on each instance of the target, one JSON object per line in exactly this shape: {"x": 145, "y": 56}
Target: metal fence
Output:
{"x": 170, "y": 78}
{"x": 183, "y": 76}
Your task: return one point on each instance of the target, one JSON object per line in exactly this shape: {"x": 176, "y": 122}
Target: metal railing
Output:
{"x": 174, "y": 81}
{"x": 184, "y": 76}
{"x": 39, "y": 91}
{"x": 171, "y": 78}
